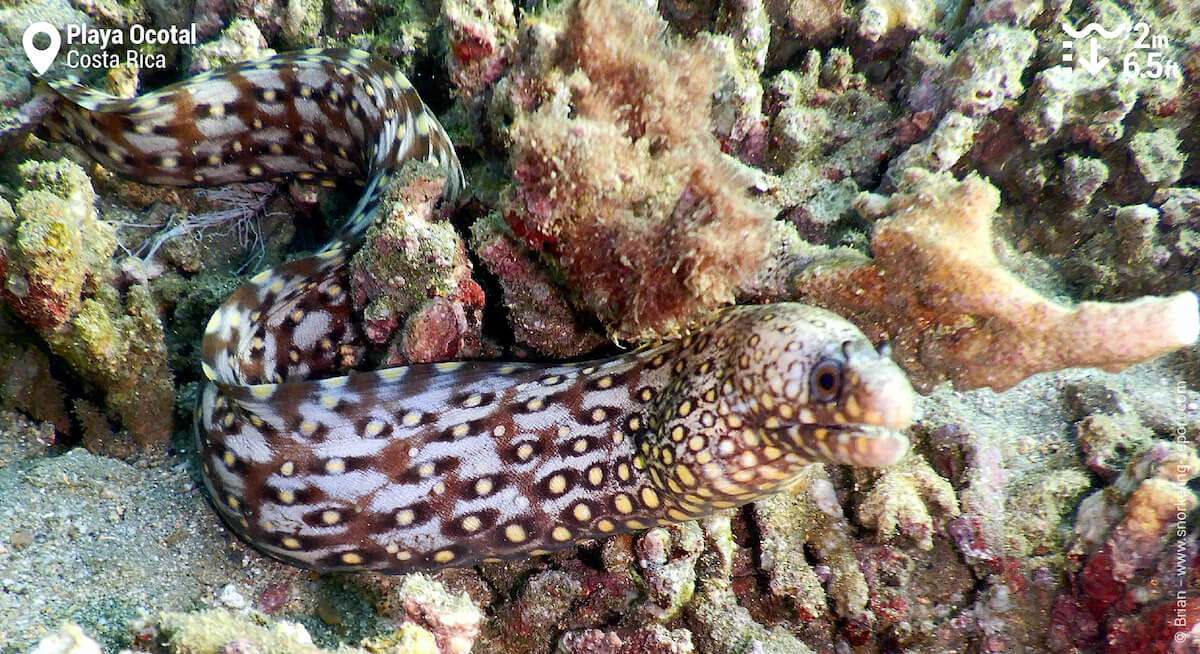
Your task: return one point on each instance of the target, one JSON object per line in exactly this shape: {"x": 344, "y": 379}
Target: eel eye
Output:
{"x": 826, "y": 380}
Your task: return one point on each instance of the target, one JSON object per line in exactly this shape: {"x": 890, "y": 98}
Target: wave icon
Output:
{"x": 1094, "y": 27}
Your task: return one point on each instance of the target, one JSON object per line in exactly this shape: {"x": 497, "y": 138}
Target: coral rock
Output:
{"x": 809, "y": 519}
{"x": 654, "y": 639}
{"x": 667, "y": 557}
{"x": 537, "y": 311}
{"x": 619, "y": 177}
{"x": 56, "y": 275}
{"x": 217, "y": 631}
{"x": 723, "y": 626}
{"x": 53, "y": 248}
{"x": 27, "y": 383}
{"x": 1157, "y": 157}
{"x": 1109, "y": 440}
{"x": 900, "y": 499}
{"x": 880, "y": 20}
{"x": 481, "y": 35}
{"x": 534, "y": 618}
{"x": 1133, "y": 586}
{"x": 412, "y": 276}
{"x": 797, "y": 25}
{"x": 453, "y": 620}
{"x": 937, "y": 289}
{"x": 69, "y": 639}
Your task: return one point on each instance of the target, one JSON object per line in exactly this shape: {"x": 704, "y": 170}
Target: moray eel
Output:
{"x": 449, "y": 464}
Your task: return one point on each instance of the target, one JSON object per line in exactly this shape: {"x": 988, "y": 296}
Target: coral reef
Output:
{"x": 960, "y": 92}
{"x": 532, "y": 620}
{"x": 654, "y": 639}
{"x": 69, "y": 639}
{"x": 55, "y": 247}
{"x": 647, "y": 159}
{"x": 618, "y": 177}
{"x": 1109, "y": 440}
{"x": 799, "y": 25}
{"x": 723, "y": 626}
{"x": 453, "y": 620}
{"x": 218, "y": 631}
{"x": 937, "y": 289}
{"x": 482, "y": 36}
{"x": 411, "y": 280}
{"x": 1089, "y": 108}
{"x": 1153, "y": 245}
{"x": 54, "y": 265}
{"x": 26, "y": 382}
{"x": 811, "y": 518}
{"x": 882, "y": 21}
{"x": 240, "y": 41}
{"x": 829, "y": 130}
{"x": 538, "y": 314}
{"x": 741, "y": 48}
{"x": 900, "y": 498}
{"x": 1133, "y": 591}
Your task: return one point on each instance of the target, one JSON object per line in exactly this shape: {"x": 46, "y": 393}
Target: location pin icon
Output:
{"x": 41, "y": 59}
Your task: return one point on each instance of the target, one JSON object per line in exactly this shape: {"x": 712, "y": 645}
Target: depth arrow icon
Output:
{"x": 1094, "y": 63}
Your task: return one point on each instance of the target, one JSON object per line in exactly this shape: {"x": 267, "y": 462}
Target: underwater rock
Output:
{"x": 801, "y": 24}
{"x": 411, "y": 279}
{"x": 901, "y": 497}
{"x": 54, "y": 249}
{"x": 482, "y": 35}
{"x": 530, "y": 623}
{"x": 808, "y": 521}
{"x": 21, "y": 438}
{"x": 1070, "y": 103}
{"x": 69, "y": 639}
{"x": 611, "y": 595}
{"x": 959, "y": 92}
{"x": 737, "y": 106}
{"x": 937, "y": 290}
{"x": 1139, "y": 559}
{"x": 27, "y": 383}
{"x": 881, "y": 21}
{"x": 56, "y": 275}
{"x": 538, "y": 314}
{"x": 1013, "y": 514}
{"x": 1149, "y": 248}
{"x": 667, "y": 559}
{"x": 216, "y": 631}
{"x": 618, "y": 176}
{"x": 1019, "y": 13}
{"x": 1081, "y": 177}
{"x": 1108, "y": 441}
{"x": 723, "y": 626}
{"x": 828, "y": 127}
{"x": 453, "y": 619}
{"x": 240, "y": 41}
{"x": 1157, "y": 157}
{"x": 654, "y": 639}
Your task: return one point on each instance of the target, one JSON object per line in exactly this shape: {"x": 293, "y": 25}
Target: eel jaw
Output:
{"x": 877, "y": 392}
{"x": 865, "y": 445}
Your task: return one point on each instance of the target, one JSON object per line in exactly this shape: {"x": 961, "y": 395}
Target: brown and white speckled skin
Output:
{"x": 438, "y": 465}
